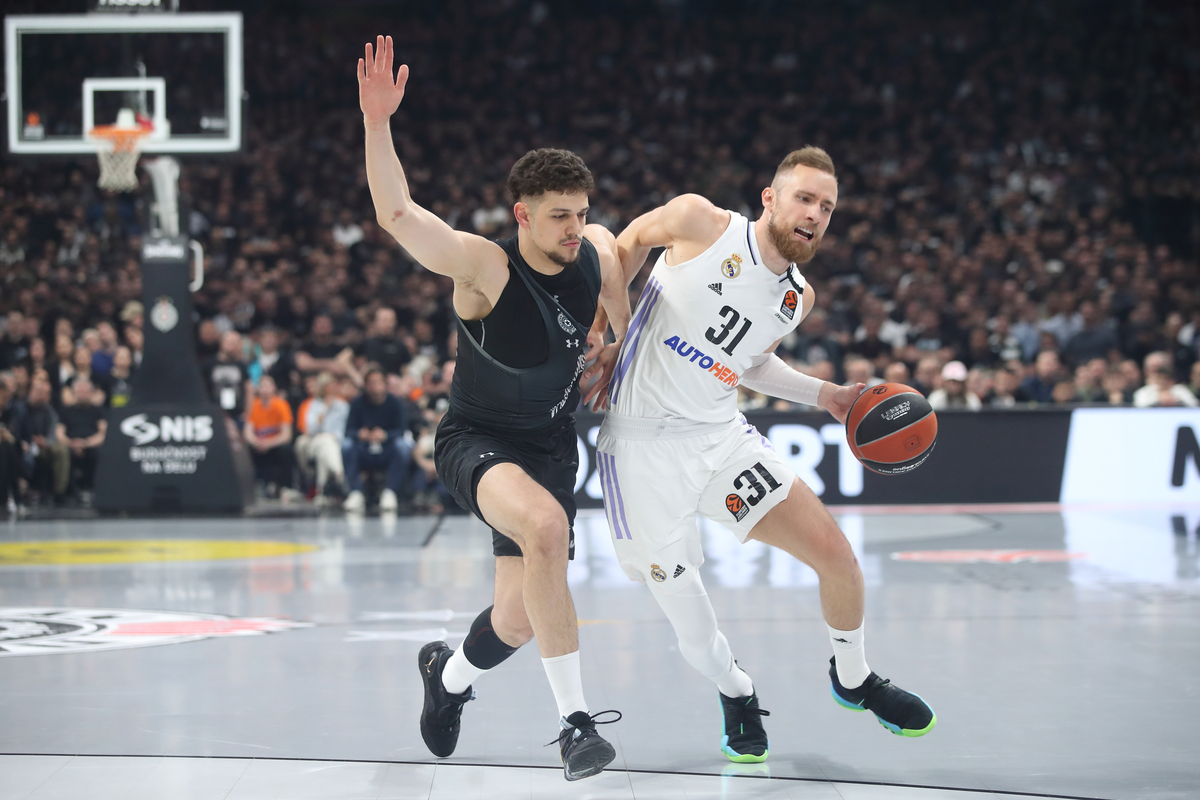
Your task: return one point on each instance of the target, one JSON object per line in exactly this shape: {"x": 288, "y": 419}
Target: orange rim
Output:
{"x": 123, "y": 140}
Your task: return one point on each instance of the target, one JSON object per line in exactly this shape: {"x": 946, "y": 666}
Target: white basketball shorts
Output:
{"x": 658, "y": 474}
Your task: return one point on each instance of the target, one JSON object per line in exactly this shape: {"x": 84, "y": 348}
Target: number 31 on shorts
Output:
{"x": 747, "y": 480}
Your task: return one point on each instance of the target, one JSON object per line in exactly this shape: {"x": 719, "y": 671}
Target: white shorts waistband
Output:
{"x": 622, "y": 427}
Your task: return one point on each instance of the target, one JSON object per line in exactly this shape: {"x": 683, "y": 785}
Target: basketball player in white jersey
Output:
{"x": 673, "y": 445}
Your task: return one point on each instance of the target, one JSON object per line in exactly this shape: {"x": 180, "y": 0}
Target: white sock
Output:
{"x": 459, "y": 673}
{"x": 566, "y": 683}
{"x": 733, "y": 682}
{"x": 849, "y": 656}
{"x": 701, "y": 644}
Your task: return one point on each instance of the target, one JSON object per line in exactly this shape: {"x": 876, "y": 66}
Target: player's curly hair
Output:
{"x": 548, "y": 170}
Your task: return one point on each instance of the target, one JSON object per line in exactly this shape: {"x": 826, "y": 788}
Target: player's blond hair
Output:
{"x": 807, "y": 156}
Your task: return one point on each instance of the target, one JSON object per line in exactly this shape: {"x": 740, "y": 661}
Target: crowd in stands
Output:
{"x": 1018, "y": 221}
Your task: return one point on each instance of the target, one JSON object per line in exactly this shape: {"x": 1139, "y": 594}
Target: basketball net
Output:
{"x": 118, "y": 148}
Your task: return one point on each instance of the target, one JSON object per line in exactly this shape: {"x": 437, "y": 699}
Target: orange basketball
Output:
{"x": 891, "y": 428}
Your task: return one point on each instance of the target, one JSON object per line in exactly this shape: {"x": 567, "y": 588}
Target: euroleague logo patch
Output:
{"x": 737, "y": 506}
{"x": 37, "y": 631}
{"x": 788, "y": 306}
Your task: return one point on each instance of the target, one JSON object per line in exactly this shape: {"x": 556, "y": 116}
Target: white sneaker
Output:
{"x": 355, "y": 502}
{"x": 388, "y": 501}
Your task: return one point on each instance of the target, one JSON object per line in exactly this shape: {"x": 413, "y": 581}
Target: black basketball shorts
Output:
{"x": 464, "y": 452}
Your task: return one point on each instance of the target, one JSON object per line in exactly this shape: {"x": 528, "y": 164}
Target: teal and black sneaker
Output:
{"x": 743, "y": 739}
{"x": 903, "y": 713}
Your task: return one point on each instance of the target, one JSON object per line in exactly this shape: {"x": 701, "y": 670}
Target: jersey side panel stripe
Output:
{"x": 610, "y": 505}
{"x": 625, "y": 358}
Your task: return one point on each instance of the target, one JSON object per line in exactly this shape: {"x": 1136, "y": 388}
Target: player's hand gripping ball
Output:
{"x": 891, "y": 428}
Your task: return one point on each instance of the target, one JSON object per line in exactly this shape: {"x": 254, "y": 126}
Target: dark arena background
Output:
{"x": 209, "y": 587}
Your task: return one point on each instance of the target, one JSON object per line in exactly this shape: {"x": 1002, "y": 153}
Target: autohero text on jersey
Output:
{"x": 703, "y": 361}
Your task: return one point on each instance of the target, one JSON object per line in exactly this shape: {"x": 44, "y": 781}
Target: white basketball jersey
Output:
{"x": 698, "y": 325}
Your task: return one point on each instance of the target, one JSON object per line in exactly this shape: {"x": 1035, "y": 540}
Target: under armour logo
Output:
{"x": 572, "y": 343}
{"x": 843, "y": 641}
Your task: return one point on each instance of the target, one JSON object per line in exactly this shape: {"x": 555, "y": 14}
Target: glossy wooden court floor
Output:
{"x": 255, "y": 659}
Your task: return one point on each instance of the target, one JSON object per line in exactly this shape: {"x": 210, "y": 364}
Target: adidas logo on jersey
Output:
{"x": 716, "y": 287}
{"x": 679, "y": 570}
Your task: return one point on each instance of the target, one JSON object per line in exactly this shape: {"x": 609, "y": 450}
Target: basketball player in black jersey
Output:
{"x": 507, "y": 447}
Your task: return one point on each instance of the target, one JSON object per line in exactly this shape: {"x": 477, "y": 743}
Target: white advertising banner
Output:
{"x": 1119, "y": 455}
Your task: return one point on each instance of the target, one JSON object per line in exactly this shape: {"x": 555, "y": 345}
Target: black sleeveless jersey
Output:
{"x": 508, "y": 399}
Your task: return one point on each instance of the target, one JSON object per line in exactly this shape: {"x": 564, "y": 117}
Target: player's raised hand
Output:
{"x": 379, "y": 94}
{"x": 838, "y": 399}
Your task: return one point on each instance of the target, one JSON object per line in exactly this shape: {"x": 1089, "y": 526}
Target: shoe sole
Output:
{"x": 896, "y": 729}
{"x": 742, "y": 758}
{"x": 422, "y": 659}
{"x": 590, "y": 761}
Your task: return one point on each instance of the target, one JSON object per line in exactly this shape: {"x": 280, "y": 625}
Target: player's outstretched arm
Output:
{"x": 433, "y": 243}
{"x": 688, "y": 224}
{"x": 770, "y": 375}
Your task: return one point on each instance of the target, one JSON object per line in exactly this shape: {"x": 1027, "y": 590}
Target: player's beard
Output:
{"x": 792, "y": 249}
{"x": 561, "y": 259}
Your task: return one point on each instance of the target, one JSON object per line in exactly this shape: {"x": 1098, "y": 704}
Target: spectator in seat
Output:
{"x": 228, "y": 378}
{"x": 81, "y": 428}
{"x": 1161, "y": 388}
{"x": 325, "y": 428}
{"x": 384, "y": 346}
{"x": 430, "y": 496}
{"x": 860, "y": 370}
{"x": 1096, "y": 339}
{"x": 271, "y": 360}
{"x": 14, "y": 347}
{"x": 1116, "y": 387}
{"x": 926, "y": 375}
{"x": 1194, "y": 385}
{"x": 47, "y": 460}
{"x": 84, "y": 372}
{"x": 953, "y": 392}
{"x": 1039, "y": 387}
{"x": 1089, "y": 381}
{"x": 1004, "y": 387}
{"x": 375, "y": 439}
{"x": 321, "y": 353}
{"x": 11, "y": 419}
{"x": 102, "y": 357}
{"x": 268, "y": 433}
{"x": 896, "y": 372}
{"x": 120, "y": 388}
{"x": 135, "y": 340}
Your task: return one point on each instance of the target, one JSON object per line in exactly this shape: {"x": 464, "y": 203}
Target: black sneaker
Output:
{"x": 743, "y": 739}
{"x": 442, "y": 711}
{"x": 903, "y": 713}
{"x": 583, "y": 751}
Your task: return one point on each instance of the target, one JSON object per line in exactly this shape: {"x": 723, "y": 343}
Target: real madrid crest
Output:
{"x": 657, "y": 573}
{"x": 565, "y": 323}
{"x": 732, "y": 266}
{"x": 163, "y": 316}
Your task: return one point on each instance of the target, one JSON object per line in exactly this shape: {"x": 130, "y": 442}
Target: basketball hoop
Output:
{"x": 118, "y": 148}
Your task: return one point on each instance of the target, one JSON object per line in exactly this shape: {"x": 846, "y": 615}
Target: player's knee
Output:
{"x": 546, "y": 535}
{"x": 835, "y": 555}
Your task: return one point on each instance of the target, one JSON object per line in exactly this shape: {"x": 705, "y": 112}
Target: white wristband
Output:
{"x": 770, "y": 376}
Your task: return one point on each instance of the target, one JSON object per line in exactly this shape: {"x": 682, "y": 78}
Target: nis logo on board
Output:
{"x": 168, "y": 429}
